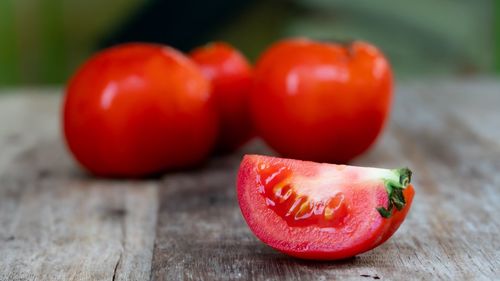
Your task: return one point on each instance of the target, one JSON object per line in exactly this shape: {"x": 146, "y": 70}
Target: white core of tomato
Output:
{"x": 332, "y": 179}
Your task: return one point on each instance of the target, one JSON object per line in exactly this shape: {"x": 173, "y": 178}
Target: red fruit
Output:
{"x": 321, "y": 101}
{"x": 231, "y": 76}
{"x": 321, "y": 211}
{"x": 139, "y": 109}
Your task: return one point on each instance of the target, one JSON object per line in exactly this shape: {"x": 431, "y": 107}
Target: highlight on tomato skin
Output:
{"x": 231, "y": 75}
{"x": 321, "y": 211}
{"x": 321, "y": 101}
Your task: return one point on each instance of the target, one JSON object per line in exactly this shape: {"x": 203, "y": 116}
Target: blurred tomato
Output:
{"x": 321, "y": 101}
{"x": 231, "y": 76}
{"x": 139, "y": 109}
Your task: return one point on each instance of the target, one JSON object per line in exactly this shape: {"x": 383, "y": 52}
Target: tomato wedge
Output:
{"x": 321, "y": 211}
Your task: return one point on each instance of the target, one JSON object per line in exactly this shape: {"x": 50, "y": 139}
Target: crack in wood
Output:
{"x": 115, "y": 271}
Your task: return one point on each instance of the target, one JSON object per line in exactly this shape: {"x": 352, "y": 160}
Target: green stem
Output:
{"x": 395, "y": 192}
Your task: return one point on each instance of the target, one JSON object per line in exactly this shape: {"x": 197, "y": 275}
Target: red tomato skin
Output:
{"x": 398, "y": 217}
{"x": 314, "y": 244}
{"x": 318, "y": 101}
{"x": 231, "y": 77}
{"x": 138, "y": 109}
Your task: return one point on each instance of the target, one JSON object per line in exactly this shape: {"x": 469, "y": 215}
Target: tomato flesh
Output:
{"x": 295, "y": 208}
{"x": 317, "y": 211}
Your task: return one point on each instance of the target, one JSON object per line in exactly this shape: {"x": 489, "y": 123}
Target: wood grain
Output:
{"x": 448, "y": 133}
{"x": 57, "y": 223}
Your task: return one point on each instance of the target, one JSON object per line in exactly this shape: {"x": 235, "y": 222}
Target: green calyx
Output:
{"x": 395, "y": 192}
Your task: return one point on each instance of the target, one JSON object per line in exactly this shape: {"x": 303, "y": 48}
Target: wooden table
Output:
{"x": 57, "y": 223}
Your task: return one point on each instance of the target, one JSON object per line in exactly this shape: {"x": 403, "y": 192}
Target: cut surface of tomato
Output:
{"x": 321, "y": 211}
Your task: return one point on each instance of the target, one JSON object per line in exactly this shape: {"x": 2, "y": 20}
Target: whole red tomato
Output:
{"x": 231, "y": 76}
{"x": 139, "y": 109}
{"x": 321, "y": 101}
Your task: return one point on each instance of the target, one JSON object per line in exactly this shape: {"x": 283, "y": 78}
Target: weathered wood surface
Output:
{"x": 56, "y": 223}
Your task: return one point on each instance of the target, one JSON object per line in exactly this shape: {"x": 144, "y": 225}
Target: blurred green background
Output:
{"x": 43, "y": 41}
